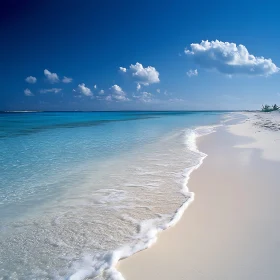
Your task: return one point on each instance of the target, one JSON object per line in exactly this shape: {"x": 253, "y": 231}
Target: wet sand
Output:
{"x": 232, "y": 229}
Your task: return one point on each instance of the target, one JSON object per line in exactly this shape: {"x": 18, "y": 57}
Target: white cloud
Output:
{"x": 101, "y": 91}
{"x": 122, "y": 69}
{"x": 158, "y": 90}
{"x": 108, "y": 98}
{"x": 229, "y": 58}
{"x": 138, "y": 87}
{"x": 95, "y": 86}
{"x": 52, "y": 77}
{"x": 84, "y": 90}
{"x": 144, "y": 97}
{"x": 191, "y": 72}
{"x": 31, "y": 80}
{"x": 117, "y": 89}
{"x": 142, "y": 75}
{"x": 46, "y": 90}
{"x": 28, "y": 92}
{"x": 117, "y": 94}
{"x": 66, "y": 80}
{"x": 145, "y": 76}
{"x": 176, "y": 100}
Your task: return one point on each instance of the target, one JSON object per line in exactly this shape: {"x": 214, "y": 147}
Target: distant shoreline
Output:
{"x": 42, "y": 111}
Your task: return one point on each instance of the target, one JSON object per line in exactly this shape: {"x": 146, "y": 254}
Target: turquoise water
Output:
{"x": 77, "y": 186}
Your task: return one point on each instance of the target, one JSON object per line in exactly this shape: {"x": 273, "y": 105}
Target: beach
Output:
{"x": 232, "y": 229}
{"x": 140, "y": 141}
{"x": 81, "y": 190}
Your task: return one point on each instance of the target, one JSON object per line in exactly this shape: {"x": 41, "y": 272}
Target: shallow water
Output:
{"x": 79, "y": 191}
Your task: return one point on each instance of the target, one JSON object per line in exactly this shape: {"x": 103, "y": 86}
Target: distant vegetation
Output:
{"x": 267, "y": 108}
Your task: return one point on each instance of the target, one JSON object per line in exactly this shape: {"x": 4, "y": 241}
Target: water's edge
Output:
{"x": 108, "y": 268}
{"x": 94, "y": 209}
{"x": 189, "y": 195}
{"x": 185, "y": 190}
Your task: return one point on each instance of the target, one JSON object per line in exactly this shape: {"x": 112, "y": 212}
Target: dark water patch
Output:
{"x": 14, "y": 124}
{"x": 32, "y": 130}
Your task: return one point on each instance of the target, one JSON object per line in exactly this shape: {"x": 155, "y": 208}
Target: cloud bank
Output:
{"x": 229, "y": 58}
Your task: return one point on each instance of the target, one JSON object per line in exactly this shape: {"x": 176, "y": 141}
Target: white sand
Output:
{"x": 232, "y": 229}
{"x": 265, "y": 129}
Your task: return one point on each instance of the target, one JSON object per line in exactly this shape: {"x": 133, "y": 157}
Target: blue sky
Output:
{"x": 66, "y": 55}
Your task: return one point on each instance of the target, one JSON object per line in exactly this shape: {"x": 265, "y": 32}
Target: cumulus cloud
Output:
{"x": 84, "y": 90}
{"x": 31, "y": 80}
{"x": 158, "y": 90}
{"x": 145, "y": 76}
{"x": 95, "y": 86}
{"x": 66, "y": 80}
{"x": 138, "y": 87}
{"x": 101, "y": 91}
{"x": 51, "y": 77}
{"x": 229, "y": 58}
{"x": 117, "y": 94}
{"x": 46, "y": 90}
{"x": 142, "y": 75}
{"x": 28, "y": 92}
{"x": 191, "y": 72}
{"x": 123, "y": 69}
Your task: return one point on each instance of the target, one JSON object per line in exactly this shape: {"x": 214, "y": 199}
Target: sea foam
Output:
{"x": 78, "y": 198}
{"x": 93, "y": 266}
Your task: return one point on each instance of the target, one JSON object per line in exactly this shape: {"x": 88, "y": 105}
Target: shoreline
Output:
{"x": 168, "y": 255}
{"x": 153, "y": 234}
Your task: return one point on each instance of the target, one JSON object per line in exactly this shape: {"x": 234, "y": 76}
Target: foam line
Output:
{"x": 104, "y": 264}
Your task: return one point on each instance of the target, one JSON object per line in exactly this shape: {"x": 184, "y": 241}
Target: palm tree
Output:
{"x": 266, "y": 108}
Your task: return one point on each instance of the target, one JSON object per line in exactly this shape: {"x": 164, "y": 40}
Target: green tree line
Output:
{"x": 267, "y": 108}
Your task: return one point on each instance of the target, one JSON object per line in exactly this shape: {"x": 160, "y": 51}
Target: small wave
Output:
{"x": 104, "y": 265}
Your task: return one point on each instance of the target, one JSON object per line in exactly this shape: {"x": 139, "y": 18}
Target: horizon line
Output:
{"x": 93, "y": 111}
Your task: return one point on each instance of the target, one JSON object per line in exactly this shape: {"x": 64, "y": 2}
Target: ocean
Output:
{"x": 81, "y": 190}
